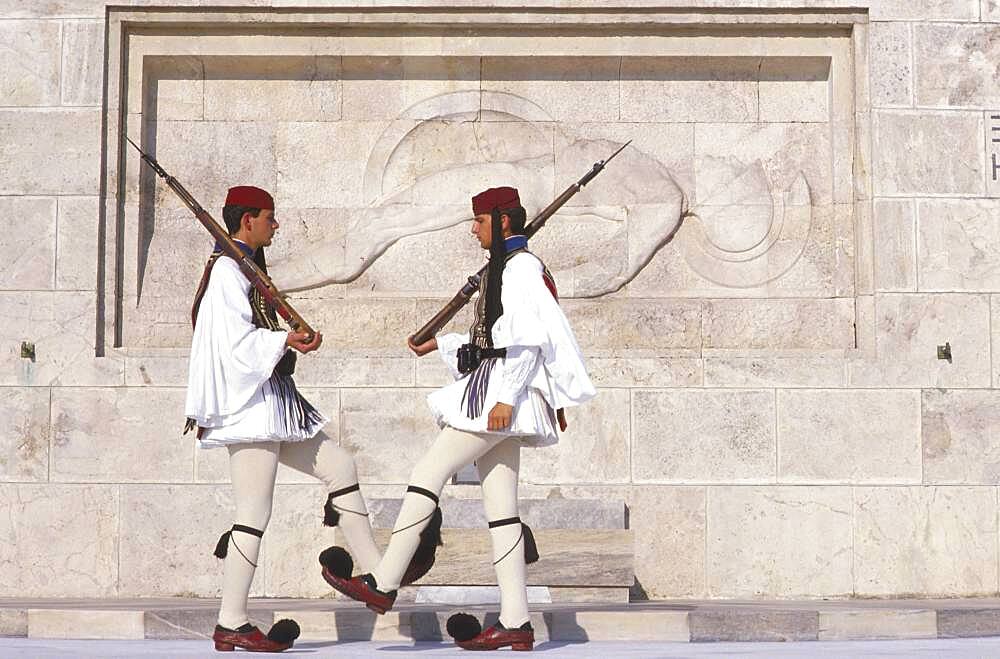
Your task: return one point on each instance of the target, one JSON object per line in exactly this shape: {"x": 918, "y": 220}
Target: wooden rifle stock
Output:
{"x": 258, "y": 279}
{"x": 444, "y": 316}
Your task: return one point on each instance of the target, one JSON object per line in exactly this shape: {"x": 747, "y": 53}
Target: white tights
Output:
{"x": 498, "y": 460}
{"x": 254, "y": 467}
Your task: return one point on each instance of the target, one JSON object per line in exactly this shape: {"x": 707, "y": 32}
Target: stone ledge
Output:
{"x": 667, "y": 621}
{"x": 536, "y": 513}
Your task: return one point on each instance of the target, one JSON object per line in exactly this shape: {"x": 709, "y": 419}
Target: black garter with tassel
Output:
{"x": 530, "y": 548}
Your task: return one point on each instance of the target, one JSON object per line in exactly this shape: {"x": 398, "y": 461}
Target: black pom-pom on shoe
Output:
{"x": 284, "y": 631}
{"x": 463, "y": 627}
{"x": 337, "y": 561}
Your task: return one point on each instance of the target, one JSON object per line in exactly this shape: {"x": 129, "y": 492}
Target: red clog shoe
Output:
{"x": 466, "y": 631}
{"x": 278, "y": 639}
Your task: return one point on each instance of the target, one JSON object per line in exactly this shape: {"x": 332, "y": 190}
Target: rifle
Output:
{"x": 257, "y": 277}
{"x": 441, "y": 318}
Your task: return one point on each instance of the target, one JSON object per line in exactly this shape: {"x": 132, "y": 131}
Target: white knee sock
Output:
{"x": 354, "y": 523}
{"x": 414, "y": 516}
{"x": 241, "y": 564}
{"x": 512, "y": 573}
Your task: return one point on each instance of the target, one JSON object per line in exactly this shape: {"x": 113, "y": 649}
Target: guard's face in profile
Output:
{"x": 482, "y": 228}
{"x": 262, "y": 227}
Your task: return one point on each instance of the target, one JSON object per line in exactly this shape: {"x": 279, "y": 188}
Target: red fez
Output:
{"x": 249, "y": 196}
{"x": 500, "y": 198}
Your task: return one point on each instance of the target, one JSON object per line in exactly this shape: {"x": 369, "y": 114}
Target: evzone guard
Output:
{"x": 515, "y": 371}
{"x": 241, "y": 397}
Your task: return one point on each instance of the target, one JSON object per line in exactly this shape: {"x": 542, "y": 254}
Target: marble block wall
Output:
{"x": 809, "y": 208}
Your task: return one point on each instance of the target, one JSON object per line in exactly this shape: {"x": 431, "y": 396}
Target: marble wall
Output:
{"x": 809, "y": 208}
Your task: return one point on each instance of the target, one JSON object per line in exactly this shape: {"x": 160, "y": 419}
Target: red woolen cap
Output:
{"x": 247, "y": 195}
{"x": 486, "y": 201}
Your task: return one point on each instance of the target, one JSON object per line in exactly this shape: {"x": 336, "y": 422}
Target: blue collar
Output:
{"x": 515, "y": 242}
{"x": 242, "y": 245}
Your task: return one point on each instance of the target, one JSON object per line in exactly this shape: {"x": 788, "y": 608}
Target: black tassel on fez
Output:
{"x": 530, "y": 548}
{"x": 222, "y": 548}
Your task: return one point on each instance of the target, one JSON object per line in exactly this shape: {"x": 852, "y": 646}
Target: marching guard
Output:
{"x": 515, "y": 371}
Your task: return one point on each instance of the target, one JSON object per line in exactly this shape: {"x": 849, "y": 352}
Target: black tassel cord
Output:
{"x": 294, "y": 412}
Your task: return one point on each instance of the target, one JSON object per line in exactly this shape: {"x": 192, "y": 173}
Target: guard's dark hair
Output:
{"x": 233, "y": 214}
{"x": 498, "y": 259}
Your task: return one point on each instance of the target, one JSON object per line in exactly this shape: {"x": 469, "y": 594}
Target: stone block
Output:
{"x": 964, "y": 623}
{"x": 895, "y": 240}
{"x": 86, "y": 624}
{"x": 794, "y": 89}
{"x": 689, "y": 89}
{"x": 164, "y": 369}
{"x": 783, "y": 371}
{"x": 77, "y": 248}
{"x": 172, "y": 88}
{"x": 284, "y": 88}
{"x": 552, "y": 513}
{"x": 728, "y": 155}
{"x": 167, "y": 535}
{"x": 908, "y": 147}
{"x": 564, "y": 88}
{"x": 61, "y": 158}
{"x": 735, "y": 625}
{"x": 242, "y": 151}
{"x": 876, "y": 624}
{"x": 29, "y": 68}
{"x": 376, "y": 88}
{"x": 388, "y": 430}
{"x": 587, "y": 557}
{"x": 669, "y": 521}
{"x": 359, "y": 625}
{"x": 61, "y": 325}
{"x": 296, "y": 536}
{"x": 925, "y": 10}
{"x": 635, "y": 328}
{"x": 29, "y": 257}
{"x": 593, "y": 449}
{"x": 961, "y": 443}
{"x": 908, "y": 329}
{"x": 311, "y": 174}
{"x": 82, "y": 63}
{"x": 13, "y": 622}
{"x": 891, "y": 64}
{"x": 113, "y": 435}
{"x": 686, "y": 435}
{"x": 779, "y": 324}
{"x": 778, "y": 541}
{"x": 188, "y": 623}
{"x": 327, "y": 368}
{"x": 954, "y": 65}
{"x": 25, "y": 433}
{"x": 372, "y": 328}
{"x": 632, "y": 626}
{"x": 645, "y": 371}
{"x": 925, "y": 541}
{"x": 59, "y": 540}
{"x": 991, "y": 11}
{"x": 995, "y": 339}
{"x": 958, "y": 244}
{"x": 828, "y": 436}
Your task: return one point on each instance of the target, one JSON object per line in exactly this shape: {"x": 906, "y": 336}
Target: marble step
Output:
{"x": 536, "y": 513}
{"x": 678, "y": 621}
{"x": 567, "y": 558}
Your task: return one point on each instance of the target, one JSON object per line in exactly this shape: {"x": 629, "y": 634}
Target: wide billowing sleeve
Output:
{"x": 230, "y": 357}
{"x": 532, "y": 320}
{"x": 448, "y": 345}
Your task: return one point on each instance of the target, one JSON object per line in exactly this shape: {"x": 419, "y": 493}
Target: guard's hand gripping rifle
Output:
{"x": 434, "y": 325}
{"x": 257, "y": 277}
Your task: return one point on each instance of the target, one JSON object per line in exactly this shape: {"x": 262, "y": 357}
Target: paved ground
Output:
{"x": 969, "y": 648}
